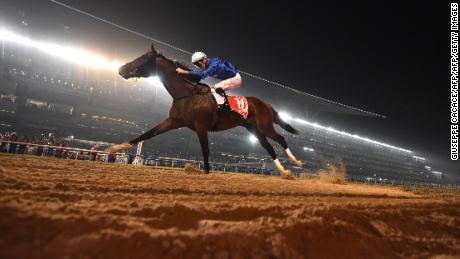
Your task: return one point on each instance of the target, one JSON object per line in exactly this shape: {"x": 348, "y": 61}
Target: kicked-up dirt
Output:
{"x": 54, "y": 208}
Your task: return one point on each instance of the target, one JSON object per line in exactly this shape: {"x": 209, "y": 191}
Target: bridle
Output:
{"x": 193, "y": 84}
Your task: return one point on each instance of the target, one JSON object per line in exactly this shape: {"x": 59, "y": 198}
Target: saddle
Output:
{"x": 236, "y": 104}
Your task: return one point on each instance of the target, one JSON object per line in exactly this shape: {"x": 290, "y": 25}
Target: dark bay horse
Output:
{"x": 194, "y": 107}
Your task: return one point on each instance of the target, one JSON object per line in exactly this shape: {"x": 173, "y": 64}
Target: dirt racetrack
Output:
{"x": 52, "y": 208}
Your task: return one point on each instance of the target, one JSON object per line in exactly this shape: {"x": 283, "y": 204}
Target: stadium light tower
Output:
{"x": 74, "y": 55}
{"x": 71, "y": 54}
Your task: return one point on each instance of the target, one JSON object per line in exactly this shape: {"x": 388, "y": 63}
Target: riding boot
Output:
{"x": 225, "y": 105}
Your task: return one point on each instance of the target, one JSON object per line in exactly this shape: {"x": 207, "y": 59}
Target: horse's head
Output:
{"x": 153, "y": 63}
{"x": 143, "y": 66}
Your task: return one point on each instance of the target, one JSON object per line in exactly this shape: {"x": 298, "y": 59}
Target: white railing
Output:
{"x": 75, "y": 152}
{"x": 168, "y": 162}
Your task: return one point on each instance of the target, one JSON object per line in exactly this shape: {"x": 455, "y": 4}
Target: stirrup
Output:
{"x": 225, "y": 105}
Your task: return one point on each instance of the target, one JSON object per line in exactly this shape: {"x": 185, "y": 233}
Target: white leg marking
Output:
{"x": 278, "y": 165}
{"x": 292, "y": 158}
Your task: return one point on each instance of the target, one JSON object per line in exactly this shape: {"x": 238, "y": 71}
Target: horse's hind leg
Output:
{"x": 264, "y": 122}
{"x": 271, "y": 133}
{"x": 264, "y": 142}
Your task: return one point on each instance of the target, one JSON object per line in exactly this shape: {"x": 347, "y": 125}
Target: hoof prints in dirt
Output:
{"x": 117, "y": 211}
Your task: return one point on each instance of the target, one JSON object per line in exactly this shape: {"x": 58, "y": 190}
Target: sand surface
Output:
{"x": 54, "y": 208}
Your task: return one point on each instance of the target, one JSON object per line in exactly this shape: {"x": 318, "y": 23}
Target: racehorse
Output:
{"x": 194, "y": 107}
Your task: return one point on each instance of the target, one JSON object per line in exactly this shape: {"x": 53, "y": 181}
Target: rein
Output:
{"x": 187, "y": 81}
{"x": 194, "y": 87}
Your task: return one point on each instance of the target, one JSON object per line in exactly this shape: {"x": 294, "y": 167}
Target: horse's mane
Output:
{"x": 175, "y": 62}
{"x": 183, "y": 66}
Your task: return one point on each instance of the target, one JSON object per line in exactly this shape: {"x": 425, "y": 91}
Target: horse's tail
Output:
{"x": 277, "y": 119}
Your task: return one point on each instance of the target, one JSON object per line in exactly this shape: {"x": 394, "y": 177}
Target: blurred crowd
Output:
{"x": 44, "y": 145}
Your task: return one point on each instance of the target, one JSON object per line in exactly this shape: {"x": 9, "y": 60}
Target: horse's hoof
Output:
{"x": 286, "y": 174}
{"x": 116, "y": 148}
{"x": 125, "y": 146}
{"x": 110, "y": 150}
{"x": 297, "y": 163}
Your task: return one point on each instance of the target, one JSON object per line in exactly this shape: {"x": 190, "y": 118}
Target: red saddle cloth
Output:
{"x": 239, "y": 104}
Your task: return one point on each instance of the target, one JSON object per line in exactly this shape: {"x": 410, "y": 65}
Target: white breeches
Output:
{"x": 230, "y": 83}
{"x": 227, "y": 84}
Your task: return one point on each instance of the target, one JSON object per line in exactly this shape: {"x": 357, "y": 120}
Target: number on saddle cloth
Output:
{"x": 238, "y": 104}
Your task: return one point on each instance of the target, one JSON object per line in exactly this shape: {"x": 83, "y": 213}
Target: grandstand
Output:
{"x": 40, "y": 93}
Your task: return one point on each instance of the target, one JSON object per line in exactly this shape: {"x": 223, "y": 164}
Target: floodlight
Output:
{"x": 252, "y": 138}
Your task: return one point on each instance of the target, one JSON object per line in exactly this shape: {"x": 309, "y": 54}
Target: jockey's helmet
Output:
{"x": 197, "y": 56}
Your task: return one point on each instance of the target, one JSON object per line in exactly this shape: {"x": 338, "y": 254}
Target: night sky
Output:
{"x": 391, "y": 58}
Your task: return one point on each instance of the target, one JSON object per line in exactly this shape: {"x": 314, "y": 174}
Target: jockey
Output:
{"x": 217, "y": 68}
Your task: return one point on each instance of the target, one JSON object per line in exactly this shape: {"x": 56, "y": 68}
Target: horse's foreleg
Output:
{"x": 203, "y": 137}
{"x": 166, "y": 125}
